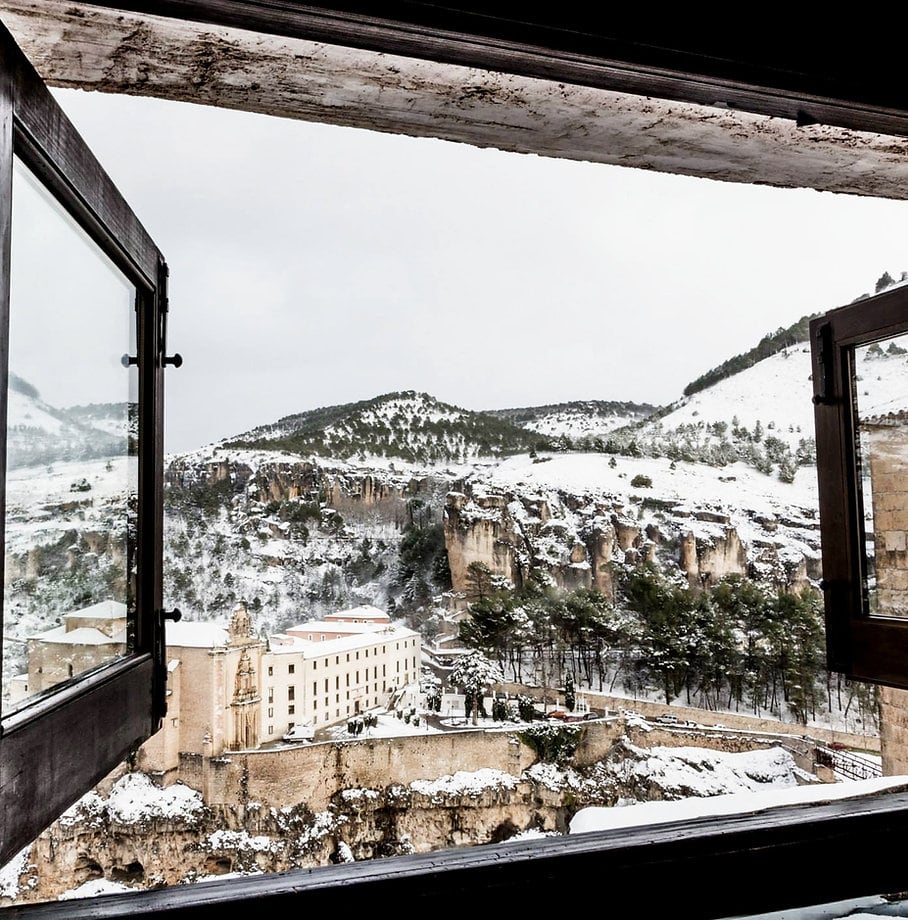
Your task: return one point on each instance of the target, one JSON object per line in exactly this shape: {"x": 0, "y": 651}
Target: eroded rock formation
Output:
{"x": 576, "y": 542}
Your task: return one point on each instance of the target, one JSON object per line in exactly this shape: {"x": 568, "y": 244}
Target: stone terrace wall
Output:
{"x": 894, "y": 731}
{"x": 311, "y": 774}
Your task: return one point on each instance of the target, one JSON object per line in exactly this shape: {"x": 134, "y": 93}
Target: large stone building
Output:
{"x": 230, "y": 689}
{"x": 85, "y": 639}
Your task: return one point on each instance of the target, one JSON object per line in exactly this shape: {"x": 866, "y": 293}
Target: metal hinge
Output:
{"x": 822, "y": 344}
{"x": 175, "y": 360}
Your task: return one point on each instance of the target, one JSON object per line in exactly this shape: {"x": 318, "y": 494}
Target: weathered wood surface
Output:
{"x": 93, "y": 48}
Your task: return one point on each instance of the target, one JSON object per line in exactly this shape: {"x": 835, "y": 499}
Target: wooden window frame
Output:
{"x": 770, "y": 857}
{"x": 62, "y": 743}
{"x": 858, "y": 645}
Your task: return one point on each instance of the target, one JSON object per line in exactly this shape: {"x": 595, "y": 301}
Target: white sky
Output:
{"x": 70, "y": 326}
{"x": 314, "y": 265}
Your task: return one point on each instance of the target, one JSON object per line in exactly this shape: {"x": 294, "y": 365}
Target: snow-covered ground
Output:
{"x": 43, "y": 503}
{"x": 580, "y": 421}
{"x": 777, "y": 393}
{"x": 736, "y": 486}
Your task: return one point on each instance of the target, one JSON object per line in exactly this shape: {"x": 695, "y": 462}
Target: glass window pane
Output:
{"x": 71, "y": 478}
{"x": 881, "y": 397}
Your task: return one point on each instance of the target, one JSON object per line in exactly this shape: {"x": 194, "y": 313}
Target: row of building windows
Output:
{"x": 291, "y": 690}
{"x": 407, "y": 643}
{"x": 384, "y": 689}
{"x": 350, "y": 710}
{"x": 291, "y": 669}
{"x": 291, "y": 709}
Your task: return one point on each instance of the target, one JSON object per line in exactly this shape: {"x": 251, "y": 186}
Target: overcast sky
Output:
{"x": 313, "y": 265}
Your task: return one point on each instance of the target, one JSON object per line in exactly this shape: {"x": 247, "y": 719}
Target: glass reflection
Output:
{"x": 68, "y": 602}
{"x": 881, "y": 397}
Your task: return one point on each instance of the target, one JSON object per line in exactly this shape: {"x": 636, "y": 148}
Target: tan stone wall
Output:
{"x": 51, "y": 663}
{"x": 202, "y": 676}
{"x": 312, "y": 773}
{"x": 732, "y": 742}
{"x": 889, "y": 499}
{"x": 894, "y": 731}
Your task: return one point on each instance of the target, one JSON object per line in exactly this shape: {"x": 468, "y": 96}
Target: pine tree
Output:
{"x": 473, "y": 672}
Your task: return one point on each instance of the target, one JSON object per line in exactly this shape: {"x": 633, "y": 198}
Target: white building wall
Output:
{"x": 323, "y": 683}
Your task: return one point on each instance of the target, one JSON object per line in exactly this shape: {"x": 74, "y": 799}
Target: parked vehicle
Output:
{"x": 566, "y": 716}
{"x": 300, "y": 733}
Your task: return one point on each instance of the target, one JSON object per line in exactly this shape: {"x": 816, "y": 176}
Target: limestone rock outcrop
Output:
{"x": 575, "y": 542}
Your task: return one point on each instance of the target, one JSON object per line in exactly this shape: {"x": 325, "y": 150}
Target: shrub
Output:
{"x": 641, "y": 482}
{"x": 552, "y": 743}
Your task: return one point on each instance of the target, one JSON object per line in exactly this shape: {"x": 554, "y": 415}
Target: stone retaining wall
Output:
{"x": 312, "y": 773}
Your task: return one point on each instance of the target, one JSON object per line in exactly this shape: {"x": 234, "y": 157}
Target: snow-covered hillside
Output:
{"x": 38, "y": 433}
{"x": 580, "y": 421}
{"x": 773, "y": 397}
{"x": 770, "y": 400}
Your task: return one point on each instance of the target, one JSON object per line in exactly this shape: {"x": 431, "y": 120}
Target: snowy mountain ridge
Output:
{"x": 409, "y": 426}
{"x": 580, "y": 419}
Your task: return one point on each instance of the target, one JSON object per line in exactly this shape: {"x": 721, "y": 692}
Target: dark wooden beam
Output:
{"x": 846, "y": 74}
{"x": 315, "y": 64}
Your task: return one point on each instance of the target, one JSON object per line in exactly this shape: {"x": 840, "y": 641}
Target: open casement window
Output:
{"x": 860, "y": 379}
{"x": 82, "y": 313}
{"x": 61, "y": 732}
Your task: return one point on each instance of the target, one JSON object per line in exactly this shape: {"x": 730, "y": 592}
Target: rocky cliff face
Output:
{"x": 305, "y": 535}
{"x": 575, "y": 540}
{"x": 481, "y": 531}
{"x": 359, "y": 824}
{"x": 346, "y": 490}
